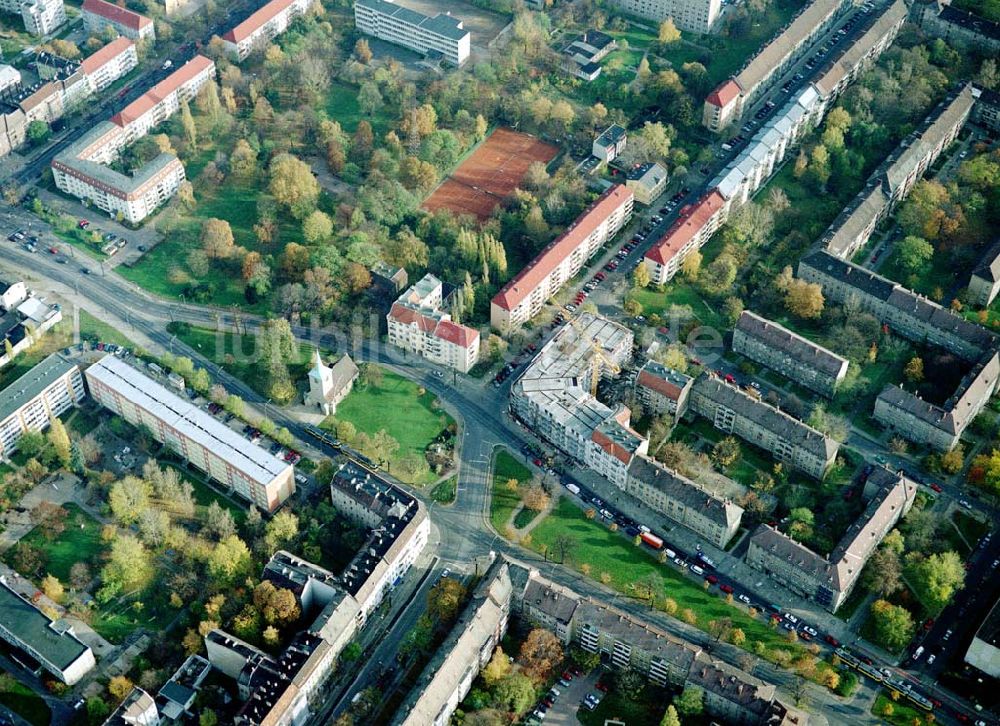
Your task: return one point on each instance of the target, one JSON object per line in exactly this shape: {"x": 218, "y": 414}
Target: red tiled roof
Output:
{"x": 116, "y": 47}
{"x": 659, "y": 385}
{"x": 115, "y": 14}
{"x": 521, "y": 286}
{"x": 689, "y": 224}
{"x": 724, "y": 94}
{"x": 162, "y": 90}
{"x": 409, "y": 316}
{"x": 256, "y": 21}
{"x": 456, "y": 334}
{"x": 616, "y": 450}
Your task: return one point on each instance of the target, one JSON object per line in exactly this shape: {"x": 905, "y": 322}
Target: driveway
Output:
{"x": 563, "y": 711}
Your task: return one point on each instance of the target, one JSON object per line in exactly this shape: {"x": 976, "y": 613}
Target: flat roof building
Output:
{"x": 984, "y": 650}
{"x": 48, "y": 644}
{"x": 610, "y": 143}
{"x": 30, "y": 403}
{"x": 647, "y": 182}
{"x": 98, "y": 15}
{"x": 663, "y": 390}
{"x": 523, "y": 296}
{"x": 441, "y": 35}
{"x": 263, "y": 26}
{"x": 201, "y": 439}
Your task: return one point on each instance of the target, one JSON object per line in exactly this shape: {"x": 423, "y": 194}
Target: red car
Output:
{"x": 712, "y": 579}
{"x": 832, "y": 641}
{"x": 929, "y": 623}
{"x": 937, "y": 487}
{"x": 730, "y": 378}
{"x": 728, "y": 589}
{"x": 537, "y": 462}
{"x": 602, "y": 687}
{"x": 53, "y": 251}
{"x": 567, "y": 675}
{"x": 83, "y": 224}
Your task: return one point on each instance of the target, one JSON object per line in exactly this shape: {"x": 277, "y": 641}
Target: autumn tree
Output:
{"x": 535, "y": 498}
{"x": 892, "y": 625}
{"x": 445, "y": 599}
{"x": 293, "y": 185}
{"x": 119, "y": 687}
{"x": 804, "y": 299}
{"x": 277, "y": 605}
{"x": 217, "y": 238}
{"x": 668, "y": 32}
{"x": 317, "y": 227}
{"x": 541, "y": 651}
{"x": 59, "y": 441}
{"x": 362, "y": 51}
{"x": 914, "y": 370}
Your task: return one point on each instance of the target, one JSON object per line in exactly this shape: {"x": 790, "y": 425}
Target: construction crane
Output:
{"x": 599, "y": 355}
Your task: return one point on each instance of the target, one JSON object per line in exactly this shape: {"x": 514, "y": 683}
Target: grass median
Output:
{"x": 505, "y": 500}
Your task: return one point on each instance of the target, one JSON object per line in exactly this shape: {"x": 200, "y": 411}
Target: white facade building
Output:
{"x": 694, "y": 16}
{"x": 201, "y": 439}
{"x": 98, "y": 15}
{"x": 418, "y": 324}
{"x": 40, "y": 17}
{"x": 263, "y": 26}
{"x": 441, "y": 34}
{"x": 31, "y": 402}
{"x": 110, "y": 63}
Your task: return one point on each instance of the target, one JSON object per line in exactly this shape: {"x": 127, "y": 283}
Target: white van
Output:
{"x": 697, "y": 570}
{"x": 918, "y": 652}
{"x": 670, "y": 553}
{"x": 644, "y": 529}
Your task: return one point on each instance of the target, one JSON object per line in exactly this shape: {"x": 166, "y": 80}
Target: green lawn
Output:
{"x": 503, "y": 500}
{"x": 444, "y": 492}
{"x": 612, "y": 558}
{"x": 27, "y": 704}
{"x": 118, "y": 619}
{"x": 91, "y": 327}
{"x": 56, "y": 338}
{"x": 342, "y": 106}
{"x": 681, "y": 293}
{"x": 204, "y": 495}
{"x": 80, "y": 542}
{"x": 408, "y": 413}
{"x": 903, "y": 713}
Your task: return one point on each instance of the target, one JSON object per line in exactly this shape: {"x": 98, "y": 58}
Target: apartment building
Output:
{"x": 40, "y": 17}
{"x": 83, "y": 170}
{"x": 878, "y": 31}
{"x": 682, "y": 501}
{"x": 959, "y": 28}
{"x": 726, "y": 103}
{"x": 986, "y": 111}
{"x": 30, "y": 403}
{"x": 984, "y": 650}
{"x": 626, "y": 642}
{"x": 46, "y": 101}
{"x": 896, "y": 176}
{"x": 786, "y": 439}
{"x": 137, "y": 709}
{"x": 662, "y": 390}
{"x": 447, "y": 678}
{"x": 939, "y": 427}
{"x": 10, "y": 79}
{"x": 164, "y": 99}
{"x": 50, "y": 645}
{"x": 418, "y": 323}
{"x": 263, "y": 26}
{"x": 610, "y": 143}
{"x": 553, "y": 396}
{"x": 693, "y": 16}
{"x": 906, "y": 313}
{"x": 99, "y": 15}
{"x": 647, "y": 182}
{"x": 829, "y": 581}
{"x": 201, "y": 439}
{"x": 441, "y": 36}
{"x": 282, "y": 690}
{"x": 984, "y": 283}
{"x": 107, "y": 65}
{"x": 788, "y": 353}
{"x": 693, "y": 228}
{"x": 523, "y": 296}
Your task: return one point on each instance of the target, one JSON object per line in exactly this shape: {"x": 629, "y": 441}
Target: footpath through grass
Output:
{"x": 504, "y": 500}
{"x": 609, "y": 557}
{"x": 26, "y": 703}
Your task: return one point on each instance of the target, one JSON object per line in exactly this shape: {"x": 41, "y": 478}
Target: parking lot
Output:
{"x": 570, "y": 699}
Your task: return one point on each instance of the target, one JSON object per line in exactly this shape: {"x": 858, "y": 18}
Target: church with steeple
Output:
{"x": 329, "y": 385}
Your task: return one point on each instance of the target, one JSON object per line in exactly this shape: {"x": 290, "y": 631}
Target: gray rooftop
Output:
{"x": 682, "y": 489}
{"x": 794, "y": 345}
{"x": 28, "y": 624}
{"x": 440, "y": 24}
{"x": 989, "y": 266}
{"x": 878, "y": 24}
{"x": 763, "y": 414}
{"x": 33, "y": 383}
{"x": 611, "y": 135}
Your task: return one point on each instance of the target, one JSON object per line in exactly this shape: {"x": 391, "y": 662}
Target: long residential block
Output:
{"x": 553, "y": 396}
{"x": 726, "y": 103}
{"x": 107, "y": 65}
{"x": 30, "y": 403}
{"x": 199, "y": 438}
{"x": 694, "y": 16}
{"x": 829, "y": 581}
{"x": 692, "y": 229}
{"x": 959, "y": 28}
{"x": 441, "y": 35}
{"x": 50, "y": 643}
{"x": 778, "y": 348}
{"x": 895, "y": 177}
{"x": 787, "y": 439}
{"x": 263, "y": 26}
{"x": 683, "y": 501}
{"x": 524, "y": 295}
{"x": 164, "y": 99}
{"x": 99, "y": 14}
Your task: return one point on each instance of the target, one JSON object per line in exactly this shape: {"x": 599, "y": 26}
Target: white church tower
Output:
{"x": 329, "y": 385}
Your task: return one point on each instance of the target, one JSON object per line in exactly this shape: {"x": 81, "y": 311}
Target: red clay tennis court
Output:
{"x": 490, "y": 173}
